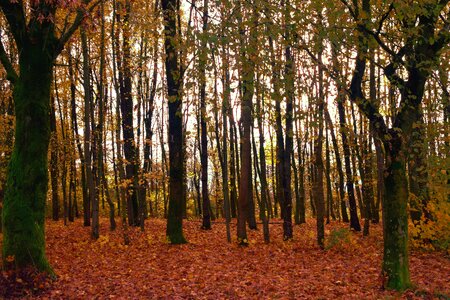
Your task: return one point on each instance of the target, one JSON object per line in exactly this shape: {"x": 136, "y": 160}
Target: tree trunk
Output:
{"x": 318, "y": 170}
{"x": 289, "y": 75}
{"x": 233, "y": 168}
{"x": 126, "y": 109}
{"x": 204, "y": 135}
{"x": 329, "y": 203}
{"x": 27, "y": 179}
{"x": 354, "y": 221}
{"x": 73, "y": 116}
{"x": 224, "y": 162}
{"x": 54, "y": 168}
{"x": 337, "y": 156}
{"x": 87, "y": 132}
{"x": 395, "y": 218}
{"x": 245, "y": 186}
{"x": 300, "y": 213}
{"x": 174, "y": 230}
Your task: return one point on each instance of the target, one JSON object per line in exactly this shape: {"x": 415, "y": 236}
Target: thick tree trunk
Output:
{"x": 174, "y": 230}
{"x": 27, "y": 180}
{"x": 395, "y": 219}
{"x": 245, "y": 186}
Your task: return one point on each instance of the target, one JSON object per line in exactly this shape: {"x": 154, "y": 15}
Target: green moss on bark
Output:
{"x": 395, "y": 229}
{"x": 24, "y": 203}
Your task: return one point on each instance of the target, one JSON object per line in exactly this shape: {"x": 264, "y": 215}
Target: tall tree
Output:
{"x": 204, "y": 135}
{"x": 422, "y": 40}
{"x": 126, "y": 109}
{"x": 175, "y": 135}
{"x": 289, "y": 136}
{"x": 248, "y": 53}
{"x": 38, "y": 45}
{"x": 92, "y": 197}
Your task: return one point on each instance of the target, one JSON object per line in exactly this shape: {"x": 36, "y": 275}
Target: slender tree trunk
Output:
{"x": 263, "y": 168}
{"x": 300, "y": 213}
{"x": 354, "y": 220}
{"x": 54, "y": 168}
{"x": 329, "y": 203}
{"x": 87, "y": 131}
{"x": 99, "y": 131}
{"x": 338, "y": 167}
{"x": 289, "y": 75}
{"x": 73, "y": 112}
{"x": 233, "y": 169}
{"x": 225, "y": 109}
{"x": 204, "y": 135}
{"x": 318, "y": 161}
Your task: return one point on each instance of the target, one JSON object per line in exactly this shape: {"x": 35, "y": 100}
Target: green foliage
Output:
{"x": 338, "y": 237}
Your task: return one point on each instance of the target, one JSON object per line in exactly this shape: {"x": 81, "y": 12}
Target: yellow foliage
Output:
{"x": 433, "y": 234}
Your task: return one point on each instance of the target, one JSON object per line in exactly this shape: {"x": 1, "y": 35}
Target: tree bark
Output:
{"x": 27, "y": 179}
{"x": 204, "y": 135}
{"x": 174, "y": 229}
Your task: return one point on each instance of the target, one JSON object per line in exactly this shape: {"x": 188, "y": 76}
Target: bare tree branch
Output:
{"x": 65, "y": 36}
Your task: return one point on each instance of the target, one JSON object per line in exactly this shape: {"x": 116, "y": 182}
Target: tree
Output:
{"x": 248, "y": 52}
{"x": 204, "y": 138}
{"x": 422, "y": 40}
{"x": 24, "y": 205}
{"x": 176, "y": 154}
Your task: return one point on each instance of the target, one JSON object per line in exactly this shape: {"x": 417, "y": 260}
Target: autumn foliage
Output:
{"x": 210, "y": 268}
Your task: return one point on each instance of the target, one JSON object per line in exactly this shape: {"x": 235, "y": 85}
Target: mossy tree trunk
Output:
{"x": 23, "y": 213}
{"x": 27, "y": 180}
{"x": 395, "y": 268}
{"x": 420, "y": 55}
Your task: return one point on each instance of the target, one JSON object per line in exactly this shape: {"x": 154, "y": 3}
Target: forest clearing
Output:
{"x": 210, "y": 268}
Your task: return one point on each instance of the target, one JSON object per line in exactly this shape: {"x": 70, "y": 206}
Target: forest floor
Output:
{"x": 210, "y": 268}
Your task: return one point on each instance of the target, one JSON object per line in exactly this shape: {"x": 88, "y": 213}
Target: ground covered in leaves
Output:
{"x": 210, "y": 268}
